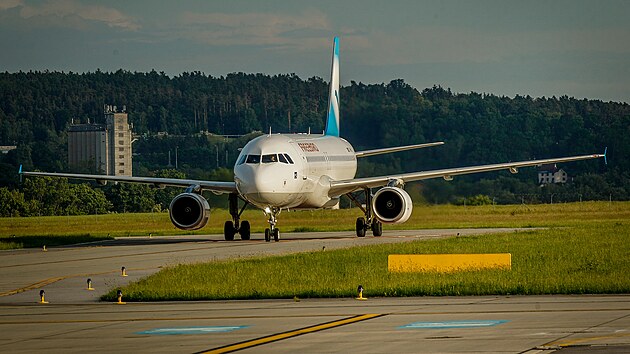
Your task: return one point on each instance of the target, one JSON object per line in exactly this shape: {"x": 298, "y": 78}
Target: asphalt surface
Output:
{"x": 74, "y": 320}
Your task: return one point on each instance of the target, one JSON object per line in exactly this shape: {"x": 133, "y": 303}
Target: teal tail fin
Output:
{"x": 332, "y": 120}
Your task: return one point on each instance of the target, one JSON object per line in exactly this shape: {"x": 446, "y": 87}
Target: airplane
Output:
{"x": 276, "y": 172}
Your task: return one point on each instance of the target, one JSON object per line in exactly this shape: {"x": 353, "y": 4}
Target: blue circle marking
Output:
{"x": 453, "y": 324}
{"x": 191, "y": 330}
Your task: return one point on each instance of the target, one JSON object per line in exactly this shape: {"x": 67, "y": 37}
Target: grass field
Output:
{"x": 55, "y": 230}
{"x": 586, "y": 250}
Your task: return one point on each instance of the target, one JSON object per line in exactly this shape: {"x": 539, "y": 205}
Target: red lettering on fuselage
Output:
{"x": 308, "y": 147}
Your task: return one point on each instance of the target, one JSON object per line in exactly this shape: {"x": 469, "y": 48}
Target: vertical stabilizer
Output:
{"x": 332, "y": 120}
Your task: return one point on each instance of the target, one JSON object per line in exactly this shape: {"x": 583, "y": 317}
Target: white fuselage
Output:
{"x": 294, "y": 170}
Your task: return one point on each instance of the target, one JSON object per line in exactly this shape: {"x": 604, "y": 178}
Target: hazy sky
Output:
{"x": 537, "y": 48}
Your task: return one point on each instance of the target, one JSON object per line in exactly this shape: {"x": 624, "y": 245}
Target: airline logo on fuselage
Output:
{"x": 308, "y": 147}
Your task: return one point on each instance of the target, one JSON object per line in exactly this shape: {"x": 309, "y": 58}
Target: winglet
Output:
{"x": 332, "y": 120}
{"x": 20, "y": 173}
{"x": 605, "y": 158}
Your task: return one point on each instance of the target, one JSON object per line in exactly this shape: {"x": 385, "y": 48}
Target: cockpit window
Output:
{"x": 253, "y": 159}
{"x": 282, "y": 158}
{"x": 289, "y": 158}
{"x": 269, "y": 158}
{"x": 242, "y": 160}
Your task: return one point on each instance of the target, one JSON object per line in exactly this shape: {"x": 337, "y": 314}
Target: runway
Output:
{"x": 75, "y": 321}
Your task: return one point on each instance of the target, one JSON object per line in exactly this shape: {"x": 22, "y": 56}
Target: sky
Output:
{"x": 539, "y": 48}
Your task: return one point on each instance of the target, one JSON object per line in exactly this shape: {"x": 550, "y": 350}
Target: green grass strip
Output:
{"x": 591, "y": 259}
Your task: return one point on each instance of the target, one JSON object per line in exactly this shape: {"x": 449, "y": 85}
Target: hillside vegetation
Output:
{"x": 36, "y": 109}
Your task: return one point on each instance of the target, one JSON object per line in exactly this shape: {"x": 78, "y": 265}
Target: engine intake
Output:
{"x": 189, "y": 211}
{"x": 392, "y": 205}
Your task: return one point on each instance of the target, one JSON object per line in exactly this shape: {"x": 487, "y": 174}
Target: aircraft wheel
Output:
{"x": 245, "y": 230}
{"x": 360, "y": 227}
{"x": 229, "y": 231}
{"x": 267, "y": 235}
{"x": 276, "y": 235}
{"x": 377, "y": 227}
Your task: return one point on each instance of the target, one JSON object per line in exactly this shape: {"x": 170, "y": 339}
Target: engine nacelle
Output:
{"x": 189, "y": 211}
{"x": 392, "y": 205}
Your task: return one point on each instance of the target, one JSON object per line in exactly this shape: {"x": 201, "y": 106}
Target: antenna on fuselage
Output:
{"x": 269, "y": 130}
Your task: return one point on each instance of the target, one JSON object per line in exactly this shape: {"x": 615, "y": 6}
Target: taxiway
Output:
{"x": 75, "y": 321}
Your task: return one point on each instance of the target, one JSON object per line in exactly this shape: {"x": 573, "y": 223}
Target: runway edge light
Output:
{"x": 360, "y": 293}
{"x": 119, "y": 294}
{"x": 123, "y": 271}
{"x": 42, "y": 297}
{"x": 89, "y": 284}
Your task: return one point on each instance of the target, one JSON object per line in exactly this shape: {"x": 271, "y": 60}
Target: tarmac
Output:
{"x": 74, "y": 320}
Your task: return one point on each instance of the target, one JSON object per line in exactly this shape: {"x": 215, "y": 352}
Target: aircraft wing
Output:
{"x": 395, "y": 149}
{"x": 341, "y": 187}
{"x": 214, "y": 186}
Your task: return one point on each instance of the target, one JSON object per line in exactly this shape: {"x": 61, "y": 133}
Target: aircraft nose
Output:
{"x": 266, "y": 179}
{"x": 261, "y": 184}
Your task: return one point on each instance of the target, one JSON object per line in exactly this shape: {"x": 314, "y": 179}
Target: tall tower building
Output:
{"x": 119, "y": 134}
{"x": 103, "y": 148}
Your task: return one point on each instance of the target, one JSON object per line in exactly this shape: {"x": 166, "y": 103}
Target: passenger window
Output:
{"x": 253, "y": 159}
{"x": 289, "y": 158}
{"x": 282, "y": 158}
{"x": 269, "y": 158}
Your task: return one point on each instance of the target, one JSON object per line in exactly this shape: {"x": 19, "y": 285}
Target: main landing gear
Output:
{"x": 272, "y": 231}
{"x": 369, "y": 222}
{"x": 235, "y": 226}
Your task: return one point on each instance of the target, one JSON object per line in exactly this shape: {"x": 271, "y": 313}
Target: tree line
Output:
{"x": 36, "y": 109}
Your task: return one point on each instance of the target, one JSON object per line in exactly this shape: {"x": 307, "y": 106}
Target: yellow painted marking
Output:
{"x": 37, "y": 285}
{"x": 447, "y": 262}
{"x": 49, "y": 281}
{"x": 285, "y": 335}
{"x": 570, "y": 342}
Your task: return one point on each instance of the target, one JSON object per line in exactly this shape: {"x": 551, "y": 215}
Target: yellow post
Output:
{"x": 123, "y": 271}
{"x": 89, "y": 284}
{"x": 360, "y": 293}
{"x": 42, "y": 299}
{"x": 44, "y": 248}
{"x": 120, "y": 302}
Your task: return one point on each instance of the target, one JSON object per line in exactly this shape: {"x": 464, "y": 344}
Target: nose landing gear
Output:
{"x": 272, "y": 231}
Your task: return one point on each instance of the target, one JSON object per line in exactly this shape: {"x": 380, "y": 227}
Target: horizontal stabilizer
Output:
{"x": 395, "y": 149}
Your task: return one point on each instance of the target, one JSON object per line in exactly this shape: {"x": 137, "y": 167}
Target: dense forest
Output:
{"x": 204, "y": 120}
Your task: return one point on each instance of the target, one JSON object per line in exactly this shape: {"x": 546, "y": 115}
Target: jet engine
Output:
{"x": 392, "y": 205}
{"x": 189, "y": 211}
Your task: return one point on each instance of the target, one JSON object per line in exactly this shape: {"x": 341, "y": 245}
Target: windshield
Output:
{"x": 253, "y": 159}
{"x": 269, "y": 158}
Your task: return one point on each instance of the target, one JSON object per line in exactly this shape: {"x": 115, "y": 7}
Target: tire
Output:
{"x": 267, "y": 235}
{"x": 229, "y": 231}
{"x": 360, "y": 227}
{"x": 276, "y": 235}
{"x": 377, "y": 228}
{"x": 245, "y": 230}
